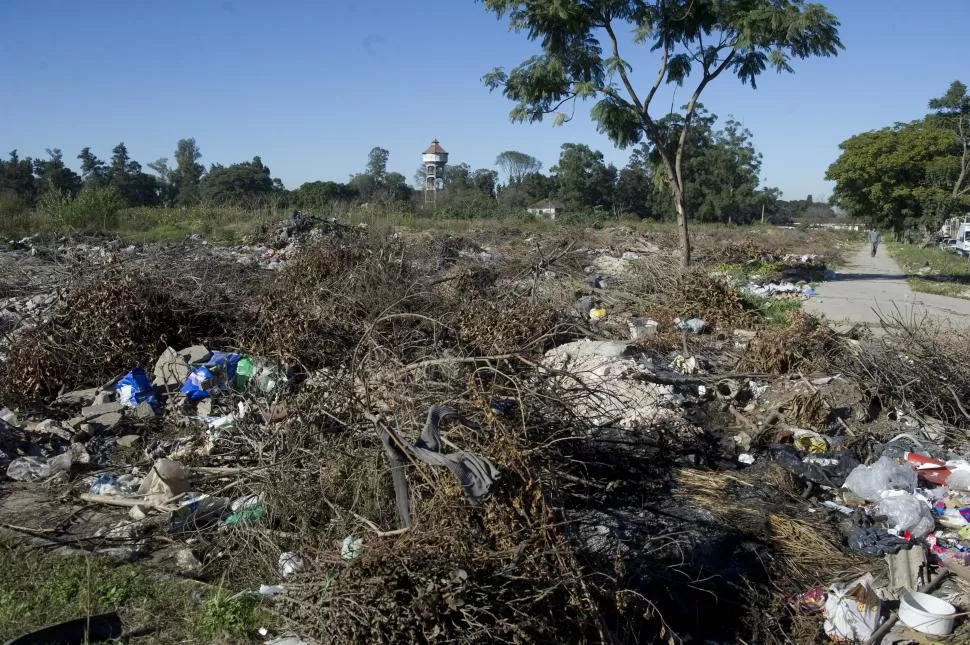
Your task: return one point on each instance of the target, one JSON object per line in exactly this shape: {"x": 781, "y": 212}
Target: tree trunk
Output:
{"x": 682, "y": 228}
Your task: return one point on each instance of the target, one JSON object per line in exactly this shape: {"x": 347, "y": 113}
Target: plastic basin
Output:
{"x": 927, "y": 614}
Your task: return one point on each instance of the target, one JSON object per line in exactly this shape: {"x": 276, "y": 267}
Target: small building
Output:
{"x": 547, "y": 208}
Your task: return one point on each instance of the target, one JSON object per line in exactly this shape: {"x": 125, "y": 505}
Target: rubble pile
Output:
{"x": 403, "y": 437}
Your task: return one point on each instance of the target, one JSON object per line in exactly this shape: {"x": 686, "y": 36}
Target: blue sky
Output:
{"x": 311, "y": 87}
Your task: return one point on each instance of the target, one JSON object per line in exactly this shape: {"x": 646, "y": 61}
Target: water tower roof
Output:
{"x": 435, "y": 149}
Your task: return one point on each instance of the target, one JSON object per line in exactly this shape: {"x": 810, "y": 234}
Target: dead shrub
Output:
{"x": 803, "y": 345}
{"x": 104, "y": 324}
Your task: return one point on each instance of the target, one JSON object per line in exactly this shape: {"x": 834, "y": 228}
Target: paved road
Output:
{"x": 869, "y": 285}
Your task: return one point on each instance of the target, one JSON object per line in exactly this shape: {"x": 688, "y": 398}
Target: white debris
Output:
{"x": 598, "y": 379}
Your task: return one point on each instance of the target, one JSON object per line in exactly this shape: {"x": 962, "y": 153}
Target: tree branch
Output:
{"x": 623, "y": 75}
{"x": 691, "y": 108}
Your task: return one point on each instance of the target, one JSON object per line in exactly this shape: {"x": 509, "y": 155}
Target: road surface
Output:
{"x": 868, "y": 286}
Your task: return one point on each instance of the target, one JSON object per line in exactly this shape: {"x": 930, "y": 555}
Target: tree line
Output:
{"x": 720, "y": 175}
{"x": 910, "y": 175}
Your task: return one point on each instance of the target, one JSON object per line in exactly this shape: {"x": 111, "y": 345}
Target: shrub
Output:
{"x": 95, "y": 208}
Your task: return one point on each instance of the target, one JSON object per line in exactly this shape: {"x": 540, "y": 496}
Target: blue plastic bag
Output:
{"x": 197, "y": 384}
{"x": 135, "y": 388}
{"x": 224, "y": 362}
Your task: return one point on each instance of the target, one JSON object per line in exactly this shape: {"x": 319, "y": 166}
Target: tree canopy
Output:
{"x": 908, "y": 175}
{"x": 696, "y": 39}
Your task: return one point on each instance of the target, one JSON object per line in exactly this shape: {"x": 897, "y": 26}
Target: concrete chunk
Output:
{"x": 195, "y": 354}
{"x": 128, "y": 441}
{"x": 92, "y": 411}
{"x": 106, "y": 421}
{"x": 170, "y": 368}
{"x": 83, "y": 397}
{"x": 144, "y": 410}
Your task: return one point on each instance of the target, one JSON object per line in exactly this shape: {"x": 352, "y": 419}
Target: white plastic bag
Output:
{"x": 906, "y": 513}
{"x": 852, "y": 610}
{"x": 868, "y": 482}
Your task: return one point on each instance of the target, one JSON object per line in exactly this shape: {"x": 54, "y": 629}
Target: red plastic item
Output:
{"x": 932, "y": 470}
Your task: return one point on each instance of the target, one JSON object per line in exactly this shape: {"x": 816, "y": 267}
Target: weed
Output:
{"x": 229, "y": 615}
{"x": 933, "y": 270}
{"x": 775, "y": 312}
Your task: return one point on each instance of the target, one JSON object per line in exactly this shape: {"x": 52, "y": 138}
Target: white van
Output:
{"x": 963, "y": 240}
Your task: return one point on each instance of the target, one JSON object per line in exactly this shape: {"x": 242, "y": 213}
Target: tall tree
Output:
{"x": 135, "y": 187}
{"x": 240, "y": 183}
{"x": 702, "y": 37}
{"x": 517, "y": 165}
{"x": 634, "y": 186}
{"x": 188, "y": 171}
{"x": 377, "y": 164}
{"x": 17, "y": 178}
{"x": 881, "y": 176}
{"x": 53, "y": 175}
{"x": 583, "y": 179}
{"x": 93, "y": 170}
{"x": 952, "y": 112}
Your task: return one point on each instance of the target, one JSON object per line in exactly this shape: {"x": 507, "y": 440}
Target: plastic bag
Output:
{"x": 868, "y": 482}
{"x": 135, "y": 388}
{"x": 852, "y": 610}
{"x": 906, "y": 513}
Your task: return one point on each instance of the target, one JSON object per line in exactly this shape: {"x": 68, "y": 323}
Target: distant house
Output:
{"x": 547, "y": 208}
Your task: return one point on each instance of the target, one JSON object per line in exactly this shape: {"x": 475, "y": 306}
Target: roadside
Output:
{"x": 868, "y": 290}
{"x": 933, "y": 270}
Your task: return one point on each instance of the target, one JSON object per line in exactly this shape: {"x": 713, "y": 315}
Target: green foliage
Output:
{"x": 517, "y": 165}
{"x": 948, "y": 273}
{"x": 17, "y": 177}
{"x": 581, "y": 59}
{"x": 229, "y": 615}
{"x": 42, "y": 588}
{"x": 882, "y": 176}
{"x": 378, "y": 185}
{"x": 95, "y": 208}
{"x": 240, "y": 183}
{"x": 776, "y": 312}
{"x": 52, "y": 174}
{"x": 583, "y": 180}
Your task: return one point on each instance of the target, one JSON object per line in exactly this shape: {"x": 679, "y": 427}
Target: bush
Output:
{"x": 95, "y": 208}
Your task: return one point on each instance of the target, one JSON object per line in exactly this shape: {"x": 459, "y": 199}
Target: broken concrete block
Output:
{"x": 106, "y": 421}
{"x": 49, "y": 426}
{"x": 128, "y": 441}
{"x": 98, "y": 410}
{"x": 144, "y": 410}
{"x": 170, "y": 369}
{"x": 10, "y": 417}
{"x": 104, "y": 397}
{"x": 82, "y": 397}
{"x": 195, "y": 354}
{"x": 138, "y": 513}
{"x": 204, "y": 408}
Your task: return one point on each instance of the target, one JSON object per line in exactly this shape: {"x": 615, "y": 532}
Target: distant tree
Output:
{"x": 125, "y": 175}
{"x": 517, "y": 165}
{"x": 52, "y": 174}
{"x": 166, "y": 190}
{"x": 377, "y": 164}
{"x": 634, "y": 192}
{"x": 530, "y": 189}
{"x": 17, "y": 178}
{"x": 881, "y": 176}
{"x": 93, "y": 170}
{"x": 952, "y": 113}
{"x": 583, "y": 179}
{"x": 240, "y": 183}
{"x": 376, "y": 184}
{"x": 709, "y": 37}
{"x": 317, "y": 195}
{"x": 188, "y": 172}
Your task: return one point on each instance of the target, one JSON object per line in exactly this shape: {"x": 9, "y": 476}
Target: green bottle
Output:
{"x": 244, "y": 371}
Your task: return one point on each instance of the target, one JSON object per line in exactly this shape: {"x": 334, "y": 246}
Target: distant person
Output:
{"x": 874, "y": 238}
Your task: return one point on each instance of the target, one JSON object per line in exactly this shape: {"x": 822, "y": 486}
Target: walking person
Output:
{"x": 874, "y": 237}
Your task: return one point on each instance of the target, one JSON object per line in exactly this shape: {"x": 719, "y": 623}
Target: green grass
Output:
{"x": 41, "y": 588}
{"x": 775, "y": 312}
{"x": 949, "y": 273}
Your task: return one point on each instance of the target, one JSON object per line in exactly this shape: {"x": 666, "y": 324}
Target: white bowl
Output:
{"x": 926, "y": 613}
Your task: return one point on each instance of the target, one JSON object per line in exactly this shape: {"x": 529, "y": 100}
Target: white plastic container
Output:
{"x": 927, "y": 614}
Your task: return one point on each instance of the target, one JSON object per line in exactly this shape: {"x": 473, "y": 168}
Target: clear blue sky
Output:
{"x": 311, "y": 87}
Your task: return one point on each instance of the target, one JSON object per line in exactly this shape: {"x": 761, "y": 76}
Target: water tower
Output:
{"x": 434, "y": 160}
